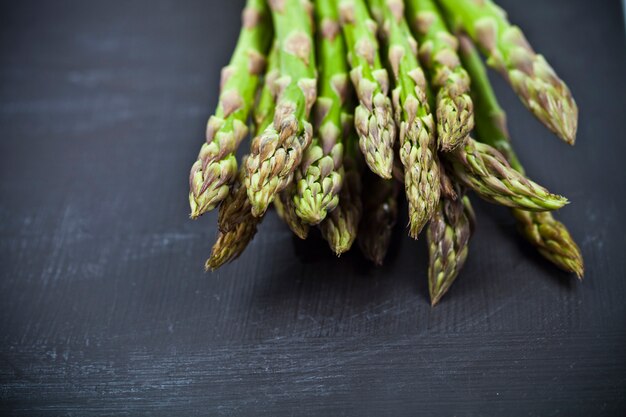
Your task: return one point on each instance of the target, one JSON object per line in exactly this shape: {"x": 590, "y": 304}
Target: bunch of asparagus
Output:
{"x": 348, "y": 100}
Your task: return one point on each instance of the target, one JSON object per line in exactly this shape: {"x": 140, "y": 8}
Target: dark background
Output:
{"x": 104, "y": 305}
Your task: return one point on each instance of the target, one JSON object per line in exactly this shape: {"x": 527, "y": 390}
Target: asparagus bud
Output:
{"x": 412, "y": 113}
{"x": 380, "y": 213}
{"x": 373, "y": 117}
{"x": 237, "y": 226}
{"x": 320, "y": 175}
{"x": 483, "y": 169}
{"x": 341, "y": 225}
{"x": 438, "y": 53}
{"x": 542, "y": 230}
{"x": 216, "y": 166}
{"x": 508, "y": 51}
{"x": 276, "y": 153}
{"x": 286, "y": 210}
{"x": 448, "y": 236}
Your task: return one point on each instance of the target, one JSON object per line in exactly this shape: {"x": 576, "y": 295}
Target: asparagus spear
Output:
{"x": 285, "y": 207}
{"x": 263, "y": 112}
{"x": 508, "y": 51}
{"x": 448, "y": 236}
{"x": 237, "y": 226}
{"x": 373, "y": 116}
{"x": 216, "y": 166}
{"x": 321, "y": 174}
{"x": 548, "y": 235}
{"x": 438, "y": 53}
{"x": 412, "y": 114}
{"x": 380, "y": 213}
{"x": 483, "y": 169}
{"x": 236, "y": 207}
{"x": 341, "y": 225}
{"x": 552, "y": 240}
{"x": 276, "y": 153}
{"x": 229, "y": 246}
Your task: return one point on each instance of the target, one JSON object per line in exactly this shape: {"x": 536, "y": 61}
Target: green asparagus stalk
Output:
{"x": 448, "y": 237}
{"x": 341, "y": 226}
{"x": 229, "y": 246}
{"x": 485, "y": 170}
{"x": 237, "y": 226}
{"x": 552, "y": 240}
{"x": 278, "y": 151}
{"x": 508, "y": 51}
{"x": 380, "y": 213}
{"x": 548, "y": 235}
{"x": 236, "y": 208}
{"x": 263, "y": 112}
{"x": 286, "y": 209}
{"x": 373, "y": 117}
{"x": 412, "y": 114}
{"x": 438, "y": 53}
{"x": 320, "y": 175}
{"x": 216, "y": 166}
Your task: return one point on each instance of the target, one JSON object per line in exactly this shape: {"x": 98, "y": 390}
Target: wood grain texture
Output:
{"x": 105, "y": 309}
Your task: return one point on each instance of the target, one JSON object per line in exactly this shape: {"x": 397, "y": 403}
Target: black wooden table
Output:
{"x": 105, "y": 308}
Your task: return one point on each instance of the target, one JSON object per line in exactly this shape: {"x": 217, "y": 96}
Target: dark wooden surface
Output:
{"x": 105, "y": 308}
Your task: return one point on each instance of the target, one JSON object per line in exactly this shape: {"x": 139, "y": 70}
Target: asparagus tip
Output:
{"x": 377, "y": 134}
{"x": 455, "y": 119}
{"x": 434, "y": 299}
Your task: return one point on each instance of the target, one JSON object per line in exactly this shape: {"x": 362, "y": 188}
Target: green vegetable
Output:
{"x": 276, "y": 154}
{"x": 449, "y": 232}
{"x": 412, "y": 114}
{"x": 508, "y": 51}
{"x": 373, "y": 117}
{"x": 438, "y": 53}
{"x": 542, "y": 230}
{"x": 483, "y": 169}
{"x": 380, "y": 213}
{"x": 320, "y": 175}
{"x": 216, "y": 166}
